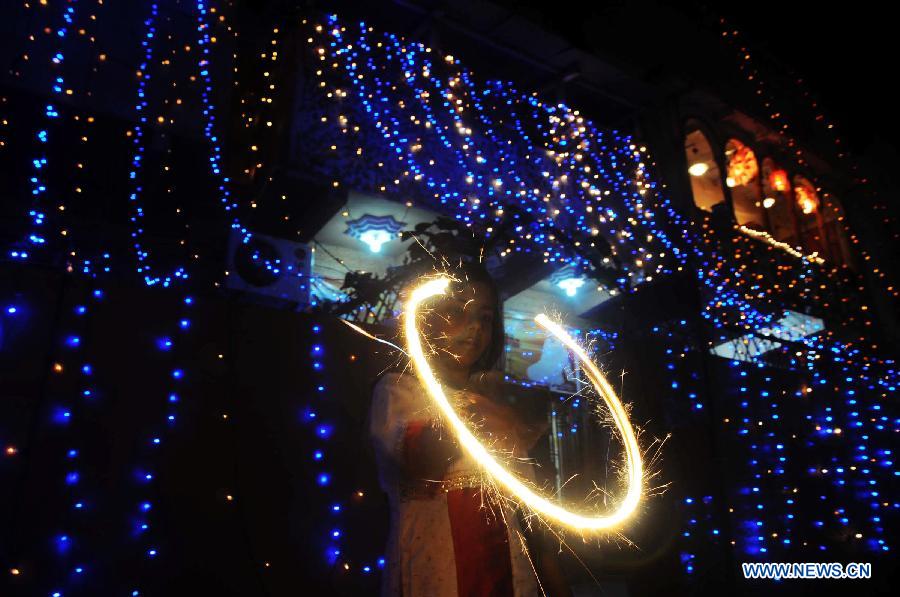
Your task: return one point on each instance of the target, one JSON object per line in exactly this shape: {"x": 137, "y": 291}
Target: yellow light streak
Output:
{"x": 359, "y": 330}
{"x": 768, "y": 238}
{"x": 537, "y": 503}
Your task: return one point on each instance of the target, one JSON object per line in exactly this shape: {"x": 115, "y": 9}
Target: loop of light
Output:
{"x": 476, "y": 450}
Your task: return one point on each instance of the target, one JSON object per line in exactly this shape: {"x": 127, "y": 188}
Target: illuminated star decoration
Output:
{"x": 374, "y": 231}
{"x": 568, "y": 279}
{"x": 525, "y": 495}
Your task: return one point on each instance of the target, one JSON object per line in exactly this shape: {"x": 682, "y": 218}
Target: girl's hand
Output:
{"x": 526, "y": 428}
{"x": 488, "y": 383}
{"x": 495, "y": 421}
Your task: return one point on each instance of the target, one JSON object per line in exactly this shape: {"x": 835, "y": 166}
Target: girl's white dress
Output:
{"x": 420, "y": 551}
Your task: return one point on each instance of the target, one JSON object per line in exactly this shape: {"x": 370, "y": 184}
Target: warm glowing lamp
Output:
{"x": 698, "y": 169}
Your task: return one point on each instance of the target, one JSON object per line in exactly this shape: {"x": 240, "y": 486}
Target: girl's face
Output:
{"x": 461, "y": 325}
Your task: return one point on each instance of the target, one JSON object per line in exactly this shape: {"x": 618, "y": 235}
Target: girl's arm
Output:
{"x": 401, "y": 429}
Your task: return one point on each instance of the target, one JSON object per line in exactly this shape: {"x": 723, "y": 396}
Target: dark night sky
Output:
{"x": 847, "y": 55}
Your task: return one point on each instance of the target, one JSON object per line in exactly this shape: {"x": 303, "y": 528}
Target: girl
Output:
{"x": 446, "y": 539}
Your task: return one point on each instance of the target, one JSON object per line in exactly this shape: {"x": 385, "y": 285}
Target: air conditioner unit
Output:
{"x": 276, "y": 270}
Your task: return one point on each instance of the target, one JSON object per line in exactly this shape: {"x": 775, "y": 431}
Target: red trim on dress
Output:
{"x": 480, "y": 546}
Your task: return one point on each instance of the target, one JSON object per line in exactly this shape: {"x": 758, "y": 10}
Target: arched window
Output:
{"x": 833, "y": 229}
{"x": 810, "y": 224}
{"x": 821, "y": 222}
{"x": 778, "y": 202}
{"x": 742, "y": 177}
{"x": 706, "y": 180}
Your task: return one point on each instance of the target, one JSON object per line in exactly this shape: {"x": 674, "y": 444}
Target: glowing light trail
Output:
{"x": 537, "y": 503}
{"x": 358, "y": 329}
{"x": 768, "y": 238}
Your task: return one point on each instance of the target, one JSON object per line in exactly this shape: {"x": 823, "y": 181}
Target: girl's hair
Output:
{"x": 470, "y": 273}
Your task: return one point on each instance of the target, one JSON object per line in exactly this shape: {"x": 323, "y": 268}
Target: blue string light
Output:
{"x": 39, "y": 180}
{"x": 542, "y": 164}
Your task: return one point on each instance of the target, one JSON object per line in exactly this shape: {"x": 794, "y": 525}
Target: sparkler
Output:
{"x": 537, "y": 503}
{"x": 359, "y": 330}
